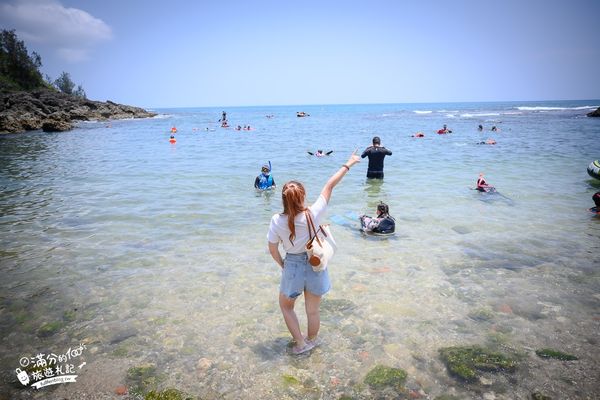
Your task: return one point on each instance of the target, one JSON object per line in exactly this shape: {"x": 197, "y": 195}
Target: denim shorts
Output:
{"x": 298, "y": 275}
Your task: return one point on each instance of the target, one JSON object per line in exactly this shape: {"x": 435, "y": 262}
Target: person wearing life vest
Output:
{"x": 482, "y": 185}
{"x": 384, "y": 223}
{"x": 264, "y": 181}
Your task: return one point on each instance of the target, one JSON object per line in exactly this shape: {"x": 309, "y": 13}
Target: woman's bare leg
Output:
{"x": 291, "y": 320}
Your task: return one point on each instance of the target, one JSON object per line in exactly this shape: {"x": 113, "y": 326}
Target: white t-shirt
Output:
{"x": 280, "y": 232}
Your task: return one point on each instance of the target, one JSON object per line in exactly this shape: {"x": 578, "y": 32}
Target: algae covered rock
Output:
{"x": 466, "y": 362}
{"x": 50, "y": 328}
{"x": 143, "y": 378}
{"x": 556, "y": 354}
{"x": 539, "y": 396}
{"x": 382, "y": 376}
{"x": 167, "y": 394}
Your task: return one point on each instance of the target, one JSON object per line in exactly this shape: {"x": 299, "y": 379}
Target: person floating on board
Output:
{"x": 419, "y": 134}
{"x": 320, "y": 153}
{"x": 376, "y": 154}
{"x": 483, "y": 186}
{"x": 383, "y": 224}
{"x": 265, "y": 180}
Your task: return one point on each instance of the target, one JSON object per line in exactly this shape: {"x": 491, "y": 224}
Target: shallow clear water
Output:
{"x": 157, "y": 251}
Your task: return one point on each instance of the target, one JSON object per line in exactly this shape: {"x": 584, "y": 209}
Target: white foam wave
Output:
{"x": 471, "y": 115}
{"x": 422, "y": 112}
{"x": 526, "y": 108}
{"x": 450, "y": 115}
{"x": 162, "y": 116}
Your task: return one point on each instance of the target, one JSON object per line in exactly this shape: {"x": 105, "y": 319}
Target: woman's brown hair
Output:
{"x": 293, "y": 195}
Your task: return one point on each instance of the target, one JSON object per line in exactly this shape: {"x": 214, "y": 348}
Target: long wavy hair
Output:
{"x": 293, "y": 195}
{"x": 383, "y": 210}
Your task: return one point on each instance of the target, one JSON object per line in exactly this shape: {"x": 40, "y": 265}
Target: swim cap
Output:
{"x": 266, "y": 166}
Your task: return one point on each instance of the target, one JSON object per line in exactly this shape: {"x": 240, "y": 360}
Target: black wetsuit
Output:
{"x": 376, "y": 155}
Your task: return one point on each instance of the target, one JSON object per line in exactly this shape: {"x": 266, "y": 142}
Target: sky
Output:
{"x": 243, "y": 53}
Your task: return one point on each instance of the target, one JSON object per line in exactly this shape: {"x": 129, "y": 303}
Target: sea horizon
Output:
{"x": 372, "y": 104}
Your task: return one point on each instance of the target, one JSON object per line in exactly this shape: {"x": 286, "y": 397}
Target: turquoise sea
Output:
{"x": 155, "y": 254}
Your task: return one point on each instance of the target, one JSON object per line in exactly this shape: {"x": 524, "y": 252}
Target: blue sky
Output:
{"x": 236, "y": 53}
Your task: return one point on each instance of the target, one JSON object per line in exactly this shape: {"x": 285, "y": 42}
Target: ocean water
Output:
{"x": 152, "y": 253}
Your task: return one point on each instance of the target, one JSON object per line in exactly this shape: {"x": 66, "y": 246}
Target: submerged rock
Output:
{"x": 539, "y": 396}
{"x": 556, "y": 354}
{"x": 595, "y": 113}
{"x": 143, "y": 378}
{"x": 382, "y": 376}
{"x": 167, "y": 394}
{"x": 50, "y": 328}
{"x": 466, "y": 362}
{"x": 336, "y": 306}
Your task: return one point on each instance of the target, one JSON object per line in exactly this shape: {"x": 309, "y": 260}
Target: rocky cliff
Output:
{"x": 53, "y": 111}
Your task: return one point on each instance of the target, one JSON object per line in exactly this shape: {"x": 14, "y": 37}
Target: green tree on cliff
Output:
{"x": 64, "y": 83}
{"x": 18, "y": 69}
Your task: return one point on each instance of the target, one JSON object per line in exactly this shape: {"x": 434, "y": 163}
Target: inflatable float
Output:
{"x": 594, "y": 169}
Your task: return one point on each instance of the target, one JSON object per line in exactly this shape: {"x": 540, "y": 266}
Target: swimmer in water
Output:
{"x": 384, "y": 223}
{"x": 596, "y": 198}
{"x": 489, "y": 141}
{"x": 320, "y": 153}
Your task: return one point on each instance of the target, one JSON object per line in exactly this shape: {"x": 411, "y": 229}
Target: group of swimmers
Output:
{"x": 444, "y": 130}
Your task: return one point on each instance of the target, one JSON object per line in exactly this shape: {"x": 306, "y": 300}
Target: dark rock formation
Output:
{"x": 54, "y": 111}
{"x": 594, "y": 113}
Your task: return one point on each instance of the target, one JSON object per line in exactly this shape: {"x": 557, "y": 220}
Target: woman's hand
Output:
{"x": 354, "y": 159}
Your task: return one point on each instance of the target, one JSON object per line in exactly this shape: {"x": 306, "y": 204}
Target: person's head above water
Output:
{"x": 376, "y": 141}
{"x": 382, "y": 209}
{"x": 292, "y": 196}
{"x": 265, "y": 169}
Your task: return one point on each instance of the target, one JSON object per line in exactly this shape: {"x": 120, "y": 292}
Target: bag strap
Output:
{"x": 310, "y": 224}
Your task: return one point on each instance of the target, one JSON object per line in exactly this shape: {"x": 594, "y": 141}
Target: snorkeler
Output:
{"x": 264, "y": 181}
{"x": 489, "y": 141}
{"x": 320, "y": 153}
{"x": 383, "y": 224}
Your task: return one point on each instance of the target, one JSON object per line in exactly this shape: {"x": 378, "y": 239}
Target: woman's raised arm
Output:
{"x": 337, "y": 177}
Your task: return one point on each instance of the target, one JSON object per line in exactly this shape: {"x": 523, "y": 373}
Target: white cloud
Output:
{"x": 71, "y": 32}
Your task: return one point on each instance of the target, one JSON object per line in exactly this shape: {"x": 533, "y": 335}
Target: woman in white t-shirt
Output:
{"x": 289, "y": 228}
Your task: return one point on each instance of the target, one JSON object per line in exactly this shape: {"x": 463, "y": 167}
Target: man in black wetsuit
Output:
{"x": 376, "y": 154}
